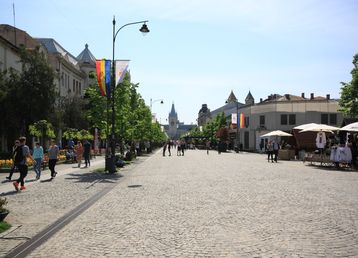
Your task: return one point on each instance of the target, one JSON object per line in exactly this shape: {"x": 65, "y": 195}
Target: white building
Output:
{"x": 279, "y": 113}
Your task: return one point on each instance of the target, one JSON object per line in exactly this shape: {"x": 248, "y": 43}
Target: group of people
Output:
{"x": 180, "y": 145}
{"x": 272, "y": 148}
{"x": 78, "y": 152}
{"x": 21, "y": 153}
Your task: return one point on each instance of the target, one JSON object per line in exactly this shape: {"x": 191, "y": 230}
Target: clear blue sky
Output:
{"x": 200, "y": 50}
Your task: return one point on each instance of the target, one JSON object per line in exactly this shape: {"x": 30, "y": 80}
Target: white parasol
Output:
{"x": 320, "y": 127}
{"x": 304, "y": 126}
{"x": 351, "y": 127}
{"x": 276, "y": 133}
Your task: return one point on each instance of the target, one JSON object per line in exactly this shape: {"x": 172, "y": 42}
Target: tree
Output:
{"x": 42, "y": 129}
{"x": 70, "y": 133}
{"x": 36, "y": 90}
{"x": 349, "y": 94}
{"x": 27, "y": 96}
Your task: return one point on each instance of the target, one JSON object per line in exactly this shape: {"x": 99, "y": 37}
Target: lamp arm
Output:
{"x": 131, "y": 23}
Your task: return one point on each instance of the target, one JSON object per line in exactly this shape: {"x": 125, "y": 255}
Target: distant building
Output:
{"x": 71, "y": 73}
{"x": 175, "y": 128}
{"x": 71, "y": 80}
{"x": 11, "y": 39}
{"x": 278, "y": 112}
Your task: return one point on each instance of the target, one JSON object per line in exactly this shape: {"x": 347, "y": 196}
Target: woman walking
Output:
{"x": 13, "y": 167}
{"x": 53, "y": 152}
{"x": 79, "y": 152}
{"x": 38, "y": 156}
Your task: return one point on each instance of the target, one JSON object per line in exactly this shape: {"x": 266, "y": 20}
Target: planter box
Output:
{"x": 3, "y": 215}
{"x": 286, "y": 154}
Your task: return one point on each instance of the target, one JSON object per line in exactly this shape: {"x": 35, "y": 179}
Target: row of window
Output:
{"x": 76, "y": 85}
{"x": 290, "y": 119}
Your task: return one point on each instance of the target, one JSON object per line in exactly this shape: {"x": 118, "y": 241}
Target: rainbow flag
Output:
{"x": 103, "y": 71}
{"x": 242, "y": 120}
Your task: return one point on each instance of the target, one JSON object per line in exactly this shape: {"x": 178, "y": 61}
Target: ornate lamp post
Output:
{"x": 111, "y": 167}
{"x": 153, "y": 101}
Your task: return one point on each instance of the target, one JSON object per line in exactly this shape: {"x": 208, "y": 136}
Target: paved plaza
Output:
{"x": 197, "y": 205}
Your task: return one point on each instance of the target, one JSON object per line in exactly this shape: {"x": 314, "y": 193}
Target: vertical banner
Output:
{"x": 103, "y": 71}
{"x": 242, "y": 120}
{"x": 233, "y": 118}
{"x": 108, "y": 77}
{"x": 121, "y": 69}
{"x": 95, "y": 140}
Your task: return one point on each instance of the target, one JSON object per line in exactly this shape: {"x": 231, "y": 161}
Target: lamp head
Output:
{"x": 161, "y": 102}
{"x": 144, "y": 29}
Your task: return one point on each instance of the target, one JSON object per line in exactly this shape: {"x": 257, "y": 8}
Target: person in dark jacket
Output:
{"x": 87, "y": 152}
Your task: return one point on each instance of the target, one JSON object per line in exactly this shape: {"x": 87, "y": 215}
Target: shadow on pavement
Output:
{"x": 10, "y": 193}
{"x": 46, "y": 180}
{"x": 334, "y": 169}
{"x": 92, "y": 177}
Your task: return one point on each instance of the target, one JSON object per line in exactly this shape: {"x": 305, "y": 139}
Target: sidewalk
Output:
{"x": 61, "y": 169}
{"x": 45, "y": 201}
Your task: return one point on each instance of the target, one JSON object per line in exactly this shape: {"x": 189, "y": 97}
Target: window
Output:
{"x": 262, "y": 120}
{"x": 283, "y": 119}
{"x": 292, "y": 119}
{"x": 324, "y": 119}
{"x": 247, "y": 122}
{"x": 333, "y": 119}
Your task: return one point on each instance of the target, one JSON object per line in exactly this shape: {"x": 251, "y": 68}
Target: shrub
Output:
{"x": 3, "y": 202}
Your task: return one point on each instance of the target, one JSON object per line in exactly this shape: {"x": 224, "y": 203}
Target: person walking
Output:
{"x": 169, "y": 147}
{"x": 87, "y": 152}
{"x": 53, "y": 152}
{"x": 269, "y": 151}
{"x": 38, "y": 155}
{"x": 182, "y": 147}
{"x": 275, "y": 147}
{"x": 79, "y": 153}
{"x": 13, "y": 167}
{"x": 22, "y": 153}
{"x": 178, "y": 148}
{"x": 207, "y": 147}
{"x": 164, "y": 148}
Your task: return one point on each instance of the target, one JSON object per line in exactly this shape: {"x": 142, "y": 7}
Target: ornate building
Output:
{"x": 175, "y": 128}
{"x": 277, "y": 112}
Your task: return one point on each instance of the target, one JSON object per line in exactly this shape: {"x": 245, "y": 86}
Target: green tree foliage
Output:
{"x": 133, "y": 120}
{"x": 28, "y": 96}
{"x": 210, "y": 130}
{"x": 70, "y": 133}
{"x": 42, "y": 129}
{"x": 349, "y": 94}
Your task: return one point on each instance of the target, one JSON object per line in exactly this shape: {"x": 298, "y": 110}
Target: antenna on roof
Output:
{"x": 13, "y": 13}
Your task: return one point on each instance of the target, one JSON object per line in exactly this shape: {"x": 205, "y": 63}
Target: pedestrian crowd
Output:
{"x": 21, "y": 154}
{"x": 180, "y": 145}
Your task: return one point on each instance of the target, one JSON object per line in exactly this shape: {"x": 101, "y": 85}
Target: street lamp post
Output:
{"x": 237, "y": 126}
{"x": 111, "y": 167}
{"x": 153, "y": 101}
{"x": 236, "y": 144}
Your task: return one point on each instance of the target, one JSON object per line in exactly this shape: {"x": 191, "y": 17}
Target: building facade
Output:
{"x": 175, "y": 128}
{"x": 282, "y": 113}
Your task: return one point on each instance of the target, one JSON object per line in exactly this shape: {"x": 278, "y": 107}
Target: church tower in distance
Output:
{"x": 173, "y": 122}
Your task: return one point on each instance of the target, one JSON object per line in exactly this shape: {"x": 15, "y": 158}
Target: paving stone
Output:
{"x": 228, "y": 205}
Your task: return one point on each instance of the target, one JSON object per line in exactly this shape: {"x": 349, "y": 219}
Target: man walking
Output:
{"x": 13, "y": 167}
{"x": 87, "y": 152}
{"x": 22, "y": 153}
{"x": 53, "y": 152}
{"x": 38, "y": 155}
{"x": 276, "y": 147}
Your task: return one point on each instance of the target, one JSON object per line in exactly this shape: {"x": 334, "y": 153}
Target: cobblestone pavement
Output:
{"x": 45, "y": 201}
{"x": 198, "y": 205}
